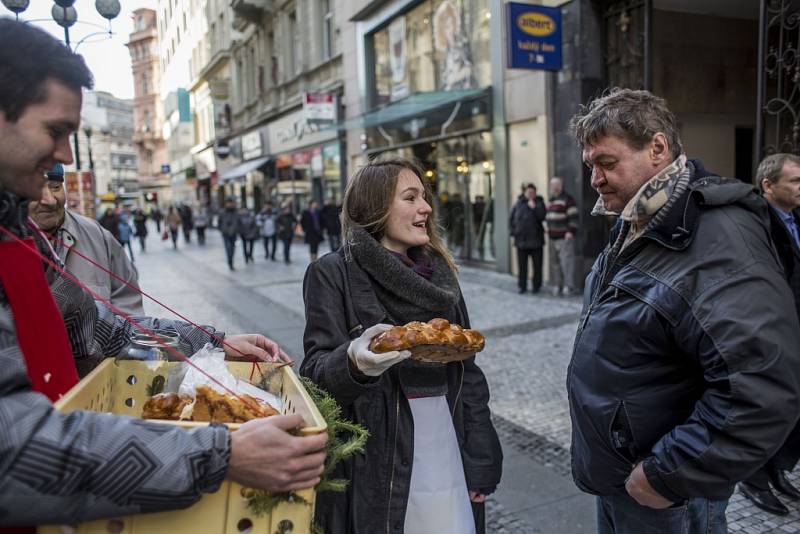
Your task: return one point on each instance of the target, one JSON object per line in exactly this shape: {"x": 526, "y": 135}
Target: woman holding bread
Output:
{"x": 433, "y": 449}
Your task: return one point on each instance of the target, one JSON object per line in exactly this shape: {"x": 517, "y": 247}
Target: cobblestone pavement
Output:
{"x": 529, "y": 341}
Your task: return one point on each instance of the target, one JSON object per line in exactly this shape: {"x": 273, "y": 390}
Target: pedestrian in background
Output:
{"x": 173, "y": 224}
{"x": 157, "y": 216}
{"x": 331, "y": 223}
{"x": 187, "y": 224}
{"x": 526, "y": 228}
{"x": 268, "y": 230}
{"x": 433, "y": 417}
{"x": 562, "y": 225}
{"x": 110, "y": 221}
{"x": 311, "y": 223}
{"x": 248, "y": 231}
{"x": 685, "y": 372}
{"x": 779, "y": 178}
{"x": 201, "y": 223}
{"x": 286, "y": 225}
{"x": 126, "y": 233}
{"x": 73, "y": 236}
{"x": 229, "y": 228}
{"x": 140, "y": 227}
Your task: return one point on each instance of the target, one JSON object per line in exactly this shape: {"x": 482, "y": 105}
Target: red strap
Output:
{"x": 48, "y": 357}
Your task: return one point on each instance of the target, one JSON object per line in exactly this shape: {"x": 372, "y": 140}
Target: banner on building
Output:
{"x": 319, "y": 108}
{"x": 80, "y": 192}
{"x": 534, "y": 37}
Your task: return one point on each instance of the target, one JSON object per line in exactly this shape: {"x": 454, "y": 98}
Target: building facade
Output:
{"x": 148, "y": 114}
{"x": 107, "y": 148}
{"x": 181, "y": 26}
{"x": 285, "y": 89}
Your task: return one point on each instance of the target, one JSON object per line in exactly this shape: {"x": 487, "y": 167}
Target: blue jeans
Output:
{"x": 230, "y": 246}
{"x": 620, "y": 514}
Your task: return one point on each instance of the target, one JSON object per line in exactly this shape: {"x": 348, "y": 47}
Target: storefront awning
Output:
{"x": 416, "y": 104}
{"x": 242, "y": 169}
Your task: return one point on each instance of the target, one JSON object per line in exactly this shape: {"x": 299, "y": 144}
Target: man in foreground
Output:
{"x": 684, "y": 374}
{"x": 69, "y": 468}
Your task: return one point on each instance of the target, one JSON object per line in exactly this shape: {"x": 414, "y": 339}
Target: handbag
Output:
{"x": 164, "y": 235}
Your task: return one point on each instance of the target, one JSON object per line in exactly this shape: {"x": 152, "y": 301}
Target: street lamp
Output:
{"x": 65, "y": 15}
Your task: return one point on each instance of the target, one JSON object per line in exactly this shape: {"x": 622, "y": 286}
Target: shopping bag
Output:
{"x": 164, "y": 235}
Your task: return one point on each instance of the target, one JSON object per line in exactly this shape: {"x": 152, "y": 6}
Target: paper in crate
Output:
{"x": 122, "y": 387}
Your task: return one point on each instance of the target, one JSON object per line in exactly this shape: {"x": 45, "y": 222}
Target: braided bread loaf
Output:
{"x": 434, "y": 341}
{"x": 209, "y": 405}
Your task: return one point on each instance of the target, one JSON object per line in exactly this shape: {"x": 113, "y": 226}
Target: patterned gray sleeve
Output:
{"x": 67, "y": 468}
{"x": 95, "y": 332}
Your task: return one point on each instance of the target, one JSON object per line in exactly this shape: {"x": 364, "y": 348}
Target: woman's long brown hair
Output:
{"x": 369, "y": 198}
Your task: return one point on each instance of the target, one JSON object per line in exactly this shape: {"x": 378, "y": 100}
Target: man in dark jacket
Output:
{"x": 229, "y": 228}
{"x": 311, "y": 223}
{"x": 526, "y": 228}
{"x": 331, "y": 223}
{"x": 779, "y": 177}
{"x": 685, "y": 370}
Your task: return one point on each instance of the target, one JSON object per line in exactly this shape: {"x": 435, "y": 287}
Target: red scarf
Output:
{"x": 48, "y": 358}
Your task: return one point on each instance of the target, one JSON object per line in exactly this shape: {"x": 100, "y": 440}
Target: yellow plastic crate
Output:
{"x": 123, "y": 387}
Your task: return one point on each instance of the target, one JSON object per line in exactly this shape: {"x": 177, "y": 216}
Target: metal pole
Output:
{"x": 75, "y": 133}
{"x": 648, "y": 45}
{"x": 760, "y": 84}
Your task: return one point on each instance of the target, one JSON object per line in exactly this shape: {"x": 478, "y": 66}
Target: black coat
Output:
{"x": 686, "y": 356}
{"x": 525, "y": 223}
{"x": 789, "y": 252}
{"x": 340, "y": 304}
{"x": 285, "y": 224}
{"x": 330, "y": 219}
{"x": 313, "y": 232}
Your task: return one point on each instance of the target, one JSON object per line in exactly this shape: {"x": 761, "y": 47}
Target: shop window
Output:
{"x": 440, "y": 45}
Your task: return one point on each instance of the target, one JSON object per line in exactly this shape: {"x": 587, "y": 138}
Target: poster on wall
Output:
{"x": 397, "y": 58}
{"x": 80, "y": 195}
{"x": 451, "y": 43}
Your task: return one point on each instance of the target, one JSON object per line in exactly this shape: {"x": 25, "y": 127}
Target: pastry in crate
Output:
{"x": 207, "y": 406}
{"x": 435, "y": 341}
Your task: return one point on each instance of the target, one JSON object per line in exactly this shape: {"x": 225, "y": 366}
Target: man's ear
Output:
{"x": 766, "y": 187}
{"x": 659, "y": 149}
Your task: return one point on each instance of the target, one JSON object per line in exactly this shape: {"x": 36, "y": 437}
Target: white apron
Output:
{"x": 438, "y": 501}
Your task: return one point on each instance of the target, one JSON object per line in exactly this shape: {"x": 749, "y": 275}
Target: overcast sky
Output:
{"x": 107, "y": 58}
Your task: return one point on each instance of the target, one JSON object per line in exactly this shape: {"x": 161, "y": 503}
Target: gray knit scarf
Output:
{"x": 407, "y": 296}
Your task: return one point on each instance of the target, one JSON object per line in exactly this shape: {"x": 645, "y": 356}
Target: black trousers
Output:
{"x": 201, "y": 234}
{"x": 267, "y": 240}
{"x": 287, "y": 245}
{"x": 536, "y": 254}
{"x": 785, "y": 459}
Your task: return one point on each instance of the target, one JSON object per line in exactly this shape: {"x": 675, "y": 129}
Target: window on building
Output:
{"x": 184, "y": 22}
{"x": 145, "y": 84}
{"x": 293, "y": 44}
{"x": 327, "y": 29}
{"x": 251, "y": 73}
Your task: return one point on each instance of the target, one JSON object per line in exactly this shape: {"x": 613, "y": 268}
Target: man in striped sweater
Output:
{"x": 562, "y": 225}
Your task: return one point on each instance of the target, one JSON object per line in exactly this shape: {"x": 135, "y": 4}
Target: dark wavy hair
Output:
{"x": 634, "y": 116}
{"x": 29, "y": 57}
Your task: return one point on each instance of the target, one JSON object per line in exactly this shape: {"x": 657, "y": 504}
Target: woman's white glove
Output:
{"x": 368, "y": 362}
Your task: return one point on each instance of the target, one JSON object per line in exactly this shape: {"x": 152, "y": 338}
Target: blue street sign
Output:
{"x": 165, "y": 169}
{"x": 534, "y": 37}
